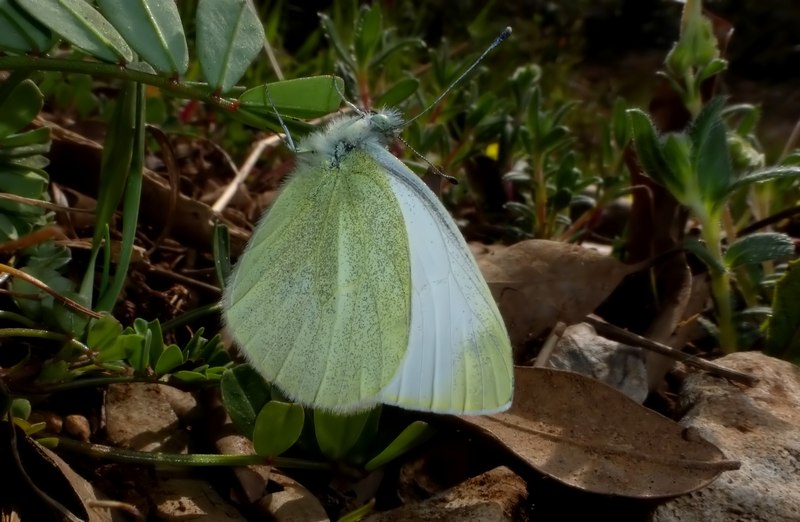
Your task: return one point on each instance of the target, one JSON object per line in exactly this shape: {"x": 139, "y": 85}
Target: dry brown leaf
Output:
{"x": 537, "y": 283}
{"x": 588, "y": 435}
{"x": 45, "y": 487}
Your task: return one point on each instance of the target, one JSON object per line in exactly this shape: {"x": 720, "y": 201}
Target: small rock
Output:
{"x": 759, "y": 426}
{"x": 138, "y": 416}
{"x": 78, "y": 427}
{"x": 496, "y": 495}
{"x": 178, "y": 499}
{"x": 581, "y": 350}
{"x": 294, "y": 503}
{"x": 183, "y": 403}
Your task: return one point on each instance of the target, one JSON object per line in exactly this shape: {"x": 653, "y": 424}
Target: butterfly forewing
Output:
{"x": 320, "y": 300}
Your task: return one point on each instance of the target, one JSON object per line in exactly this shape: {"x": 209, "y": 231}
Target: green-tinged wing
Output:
{"x": 320, "y": 301}
{"x": 459, "y": 358}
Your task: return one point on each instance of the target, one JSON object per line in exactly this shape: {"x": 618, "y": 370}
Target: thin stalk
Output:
{"x": 744, "y": 284}
{"x": 181, "y": 459}
{"x": 36, "y": 333}
{"x": 540, "y": 197}
{"x": 720, "y": 286}
{"x": 171, "y": 85}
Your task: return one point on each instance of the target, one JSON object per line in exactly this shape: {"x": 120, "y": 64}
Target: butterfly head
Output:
{"x": 386, "y": 122}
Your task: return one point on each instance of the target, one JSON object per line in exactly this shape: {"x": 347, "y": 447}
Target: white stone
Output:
{"x": 759, "y": 426}
{"x": 582, "y": 350}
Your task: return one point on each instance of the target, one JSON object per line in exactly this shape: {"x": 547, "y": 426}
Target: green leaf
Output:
{"x": 710, "y": 156}
{"x": 415, "y": 434}
{"x": 170, "y": 358}
{"x": 398, "y": 93}
{"x": 20, "y": 107}
{"x": 135, "y": 351}
{"x": 311, "y": 97}
{"x": 329, "y": 30}
{"x": 39, "y": 308}
{"x": 39, "y": 139}
{"x": 648, "y": 149}
{"x": 189, "y": 376}
{"x": 153, "y": 28}
{"x": 368, "y": 32}
{"x": 759, "y": 248}
{"x": 117, "y": 154}
{"x": 265, "y": 121}
{"x": 54, "y": 371}
{"x": 103, "y": 333}
{"x": 156, "y": 341}
{"x": 714, "y": 67}
{"x": 783, "y": 330}
{"x": 20, "y": 408}
{"x": 338, "y": 434}
{"x": 21, "y": 33}
{"x": 695, "y": 246}
{"x": 229, "y": 37}
{"x": 677, "y": 152}
{"x": 277, "y": 428}
{"x": 134, "y": 174}
{"x": 80, "y": 24}
{"x": 192, "y": 349}
{"x": 244, "y": 394}
{"x": 767, "y": 174}
{"x": 393, "y": 46}
{"x": 222, "y": 253}
{"x": 620, "y": 125}
{"x": 364, "y": 448}
{"x": 68, "y": 320}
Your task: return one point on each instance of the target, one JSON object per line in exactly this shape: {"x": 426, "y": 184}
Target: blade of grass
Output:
{"x": 130, "y": 211}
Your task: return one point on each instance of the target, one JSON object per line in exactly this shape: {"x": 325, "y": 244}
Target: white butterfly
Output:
{"x": 357, "y": 287}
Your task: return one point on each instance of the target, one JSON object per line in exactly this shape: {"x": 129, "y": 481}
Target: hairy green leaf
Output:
{"x": 82, "y": 25}
{"x": 277, "y": 428}
{"x": 783, "y": 328}
{"x": 759, "y": 248}
{"x": 153, "y": 28}
{"x": 229, "y": 37}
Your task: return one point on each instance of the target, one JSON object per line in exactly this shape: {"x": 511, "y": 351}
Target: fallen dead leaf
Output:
{"x": 537, "y": 283}
{"x": 46, "y": 487}
{"x": 588, "y": 435}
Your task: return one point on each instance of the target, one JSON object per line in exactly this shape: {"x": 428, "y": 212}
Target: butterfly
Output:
{"x": 357, "y": 288}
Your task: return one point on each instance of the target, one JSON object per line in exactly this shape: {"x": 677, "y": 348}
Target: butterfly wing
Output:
{"x": 459, "y": 356}
{"x": 320, "y": 300}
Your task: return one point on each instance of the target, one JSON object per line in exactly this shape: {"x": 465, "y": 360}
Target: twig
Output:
{"x": 618, "y": 334}
{"x": 19, "y": 274}
{"x": 549, "y": 345}
{"x": 244, "y": 171}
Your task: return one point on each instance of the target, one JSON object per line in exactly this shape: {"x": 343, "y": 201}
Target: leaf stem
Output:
{"x": 39, "y": 333}
{"x": 181, "y": 459}
{"x": 171, "y": 85}
{"x": 720, "y": 285}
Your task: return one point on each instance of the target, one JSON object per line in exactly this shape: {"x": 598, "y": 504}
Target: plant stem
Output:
{"x": 540, "y": 200}
{"x": 181, "y": 459}
{"x": 43, "y": 334}
{"x": 720, "y": 285}
{"x": 171, "y": 85}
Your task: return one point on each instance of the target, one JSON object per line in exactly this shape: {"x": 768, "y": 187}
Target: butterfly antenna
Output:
{"x": 436, "y": 169}
{"x": 289, "y": 140}
{"x": 497, "y": 41}
{"x": 348, "y": 102}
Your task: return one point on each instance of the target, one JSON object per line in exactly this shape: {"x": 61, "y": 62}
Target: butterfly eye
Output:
{"x": 381, "y": 122}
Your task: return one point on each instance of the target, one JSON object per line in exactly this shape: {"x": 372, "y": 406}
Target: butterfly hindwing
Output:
{"x": 320, "y": 301}
{"x": 459, "y": 355}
